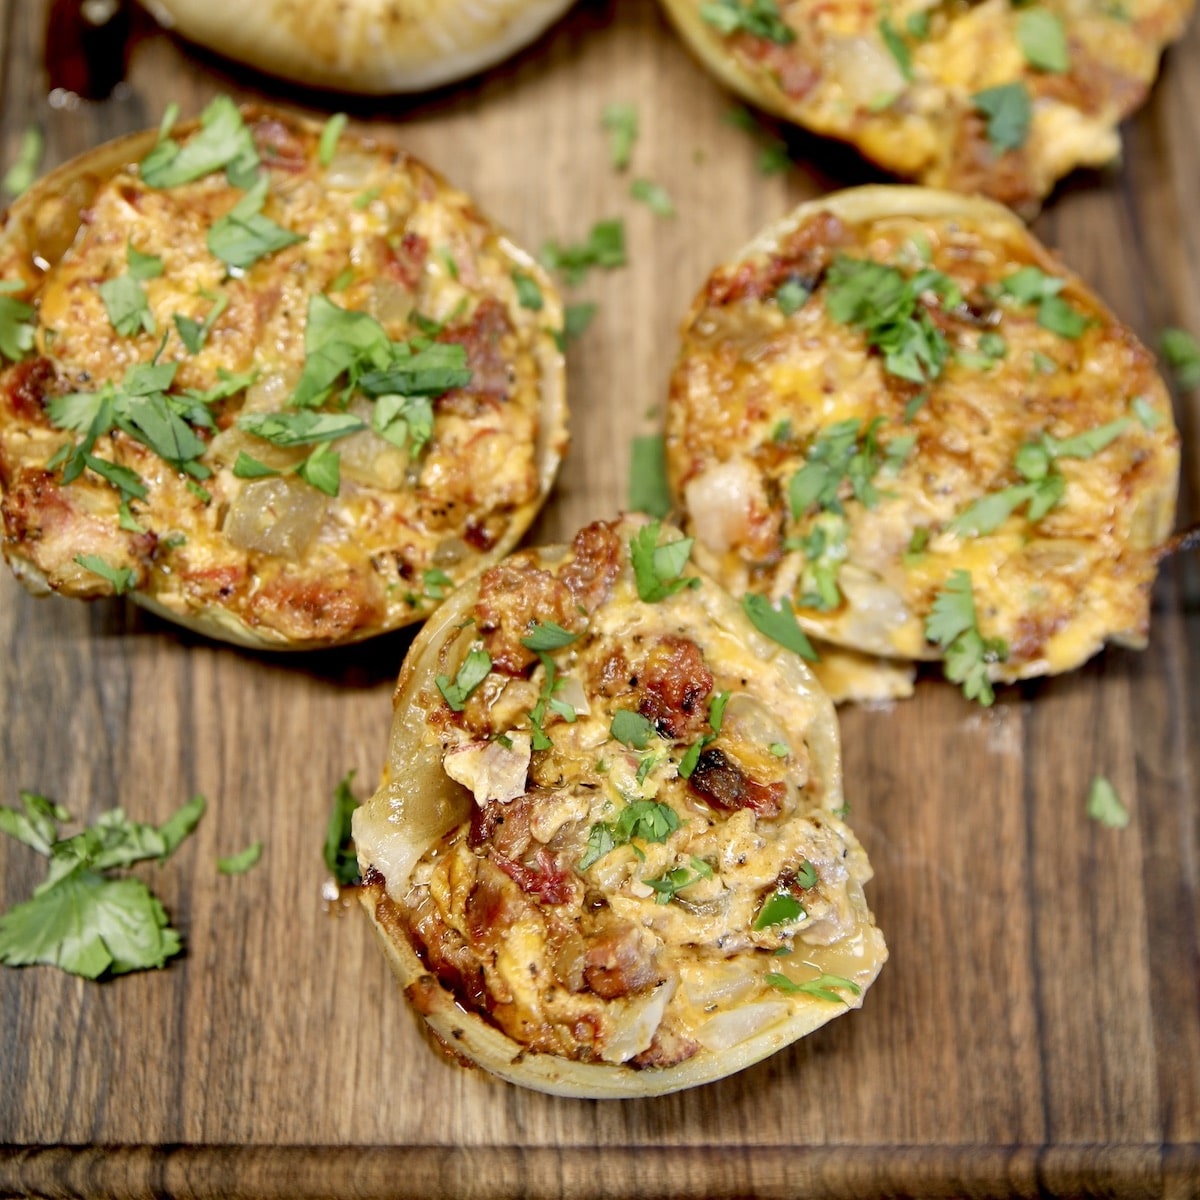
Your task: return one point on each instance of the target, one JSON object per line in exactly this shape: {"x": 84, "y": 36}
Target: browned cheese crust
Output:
{"x": 914, "y": 105}
{"x": 856, "y": 457}
{"x": 621, "y": 855}
{"x": 282, "y": 556}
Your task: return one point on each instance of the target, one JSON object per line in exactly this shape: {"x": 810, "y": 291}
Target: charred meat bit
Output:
{"x": 545, "y": 879}
{"x": 676, "y": 684}
{"x": 719, "y": 781}
{"x": 511, "y": 598}
{"x": 503, "y": 826}
{"x": 26, "y": 387}
{"x": 595, "y": 566}
{"x": 618, "y": 962}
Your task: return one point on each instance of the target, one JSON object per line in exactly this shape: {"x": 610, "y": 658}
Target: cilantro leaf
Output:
{"x": 989, "y": 512}
{"x": 952, "y": 625}
{"x": 1104, "y": 805}
{"x": 1177, "y": 346}
{"x": 330, "y": 135}
{"x": 675, "y": 881}
{"x": 780, "y": 908}
{"x": 475, "y": 668}
{"x": 126, "y": 305}
{"x": 322, "y": 469}
{"x": 759, "y": 18}
{"x": 1030, "y": 284}
{"x": 80, "y": 919}
{"x": 222, "y": 142}
{"x": 648, "y": 490}
{"x": 1058, "y": 316}
{"x": 791, "y": 296}
{"x": 548, "y": 635}
{"x": 644, "y": 819}
{"x": 1009, "y": 111}
{"x": 1148, "y": 416}
{"x": 401, "y": 419}
{"x": 822, "y": 987}
{"x": 1088, "y": 443}
{"x": 1043, "y": 40}
{"x": 605, "y": 247}
{"x": 599, "y": 843}
{"x": 621, "y": 122}
{"x": 899, "y": 49}
{"x": 576, "y": 319}
{"x": 244, "y": 235}
{"x": 240, "y": 863}
{"x": 654, "y": 196}
{"x": 121, "y": 579}
{"x": 658, "y": 570}
{"x": 299, "y": 428}
{"x": 248, "y": 467}
{"x": 779, "y": 624}
{"x": 529, "y": 295}
{"x": 16, "y": 327}
{"x": 336, "y": 340}
{"x": 716, "y": 714}
{"x": 631, "y": 728}
{"x": 195, "y": 333}
{"x": 20, "y": 176}
{"x": 340, "y": 856}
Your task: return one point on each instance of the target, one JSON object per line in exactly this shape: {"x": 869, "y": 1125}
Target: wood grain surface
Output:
{"x": 1037, "y": 1030}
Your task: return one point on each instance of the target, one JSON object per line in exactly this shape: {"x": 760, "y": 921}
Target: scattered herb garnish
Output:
{"x": 81, "y": 918}
{"x": 240, "y": 863}
{"x": 681, "y": 877}
{"x": 540, "y": 740}
{"x": 952, "y": 624}
{"x": 1148, "y": 416}
{"x": 304, "y": 428}
{"x": 1043, "y": 40}
{"x": 759, "y": 18}
{"x": 20, "y": 176}
{"x": 644, "y": 819}
{"x": 658, "y": 570}
{"x": 529, "y": 295}
{"x": 248, "y": 467}
{"x": 576, "y": 319}
{"x": 631, "y": 729}
{"x": 648, "y": 490}
{"x": 791, "y": 296}
{"x": 1178, "y": 347}
{"x": 779, "y": 624}
{"x": 474, "y": 670}
{"x": 17, "y": 330}
{"x": 244, "y": 235}
{"x": 780, "y": 908}
{"x": 120, "y": 578}
{"x": 896, "y": 45}
{"x": 223, "y": 143}
{"x": 195, "y": 333}
{"x": 322, "y": 469}
{"x": 329, "y": 138}
{"x": 716, "y": 714}
{"x": 1009, "y": 111}
{"x": 1104, "y": 805}
{"x": 548, "y": 635}
{"x": 654, "y": 196}
{"x": 621, "y": 121}
{"x": 605, "y": 247}
{"x": 822, "y": 987}
{"x": 339, "y": 853}
{"x": 125, "y": 299}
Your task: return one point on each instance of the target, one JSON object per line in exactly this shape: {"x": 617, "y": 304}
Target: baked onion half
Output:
{"x": 365, "y": 46}
{"x": 283, "y": 385}
{"x": 605, "y": 859}
{"x": 995, "y": 97}
{"x": 899, "y": 413}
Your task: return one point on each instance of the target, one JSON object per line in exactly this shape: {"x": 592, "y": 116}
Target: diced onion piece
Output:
{"x": 729, "y": 1028}
{"x": 270, "y": 392}
{"x": 390, "y": 301}
{"x": 350, "y": 169}
{"x": 571, "y": 692}
{"x": 636, "y": 1026}
{"x": 864, "y": 67}
{"x": 369, "y": 459}
{"x": 716, "y": 984}
{"x": 491, "y": 770}
{"x": 720, "y": 502}
{"x": 275, "y": 516}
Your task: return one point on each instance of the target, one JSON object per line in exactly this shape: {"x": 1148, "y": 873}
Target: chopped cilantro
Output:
{"x": 1104, "y": 805}
{"x": 759, "y": 18}
{"x": 1177, "y": 346}
{"x": 437, "y": 582}
{"x": 780, "y": 908}
{"x": 223, "y": 142}
{"x": 1056, "y": 315}
{"x": 16, "y": 323}
{"x": 322, "y": 469}
{"x": 474, "y": 670}
{"x": 244, "y": 235}
{"x": 248, "y": 467}
{"x": 400, "y": 419}
{"x": 576, "y": 319}
{"x": 917, "y": 25}
{"x": 126, "y": 305}
{"x": 194, "y": 333}
{"x": 681, "y": 877}
{"x": 654, "y": 196}
{"x": 774, "y": 159}
{"x": 299, "y": 428}
{"x": 240, "y": 863}
{"x": 1009, "y": 111}
{"x": 20, "y": 176}
{"x": 339, "y": 853}
{"x": 658, "y": 570}
{"x": 822, "y": 987}
{"x": 791, "y": 296}
{"x": 896, "y": 45}
{"x": 1043, "y": 40}
{"x": 779, "y": 624}
{"x": 648, "y": 490}
{"x": 621, "y": 122}
{"x": 121, "y": 578}
{"x": 1146, "y": 413}
{"x": 952, "y": 625}
{"x": 644, "y": 819}
{"x": 548, "y": 635}
{"x": 529, "y": 295}
{"x": 716, "y": 714}
{"x": 1043, "y": 363}
{"x": 329, "y": 138}
{"x": 80, "y": 918}
{"x": 631, "y": 729}
{"x": 605, "y": 247}
{"x": 779, "y": 749}
{"x": 546, "y": 699}
{"x": 1031, "y": 284}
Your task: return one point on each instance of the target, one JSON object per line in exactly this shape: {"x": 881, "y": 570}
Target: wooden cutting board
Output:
{"x": 1038, "y": 1027}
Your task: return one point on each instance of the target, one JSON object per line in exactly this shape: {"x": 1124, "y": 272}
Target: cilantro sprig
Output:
{"x": 673, "y": 882}
{"x": 716, "y": 716}
{"x": 17, "y": 328}
{"x": 474, "y": 669}
{"x": 1008, "y": 110}
{"x": 649, "y": 491}
{"x": 243, "y": 235}
{"x": 339, "y": 853}
{"x": 644, "y": 820}
{"x": 824, "y": 987}
{"x": 81, "y": 918}
{"x": 779, "y": 624}
{"x": 222, "y": 143}
{"x": 658, "y": 570}
{"x": 759, "y": 18}
{"x": 604, "y": 247}
{"x": 952, "y": 624}
{"x": 621, "y": 123}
